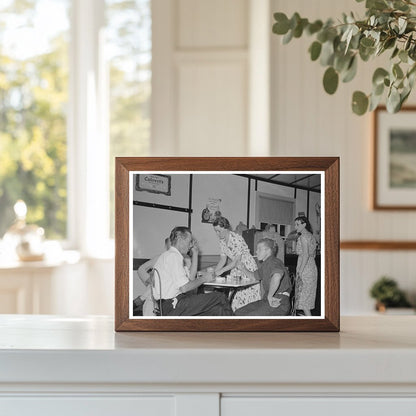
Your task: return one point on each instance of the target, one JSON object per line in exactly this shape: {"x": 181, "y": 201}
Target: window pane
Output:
{"x": 33, "y": 100}
{"x": 129, "y": 45}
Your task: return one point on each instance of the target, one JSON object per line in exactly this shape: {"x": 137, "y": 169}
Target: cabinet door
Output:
{"x": 88, "y": 406}
{"x": 272, "y": 406}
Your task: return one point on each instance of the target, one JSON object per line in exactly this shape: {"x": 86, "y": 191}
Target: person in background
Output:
{"x": 174, "y": 288}
{"x": 270, "y": 231}
{"x": 275, "y": 284}
{"x": 306, "y": 270}
{"x": 234, "y": 248}
{"x": 144, "y": 302}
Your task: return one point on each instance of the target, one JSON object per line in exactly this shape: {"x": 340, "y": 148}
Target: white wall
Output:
{"x": 203, "y": 87}
{"x": 200, "y": 77}
{"x": 308, "y": 122}
{"x": 150, "y": 230}
{"x": 232, "y": 190}
{"x": 152, "y": 225}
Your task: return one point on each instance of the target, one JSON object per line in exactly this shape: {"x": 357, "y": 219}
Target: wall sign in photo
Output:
{"x": 158, "y": 184}
{"x": 257, "y": 266}
{"x": 394, "y": 177}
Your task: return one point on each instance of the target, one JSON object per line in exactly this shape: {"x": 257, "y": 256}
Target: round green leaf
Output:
{"x": 408, "y": 42}
{"x": 351, "y": 71}
{"x": 378, "y": 90}
{"x": 367, "y": 42}
{"x": 379, "y": 75}
{"x": 288, "y": 37}
{"x": 374, "y": 102}
{"x": 403, "y": 56}
{"x": 342, "y": 61}
{"x": 393, "y": 101}
{"x": 315, "y": 50}
{"x": 327, "y": 54}
{"x": 330, "y": 80}
{"x": 389, "y": 43}
{"x": 395, "y": 52}
{"x": 281, "y": 27}
{"x": 359, "y": 103}
{"x": 366, "y": 53}
{"x": 298, "y": 30}
{"x": 314, "y": 27}
{"x": 322, "y": 36}
{"x": 294, "y": 20}
{"x": 397, "y": 71}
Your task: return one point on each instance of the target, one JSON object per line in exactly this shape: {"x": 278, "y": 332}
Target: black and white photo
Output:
{"x": 226, "y": 245}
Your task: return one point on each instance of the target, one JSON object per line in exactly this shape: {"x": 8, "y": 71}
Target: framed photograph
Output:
{"x": 238, "y": 244}
{"x": 394, "y": 179}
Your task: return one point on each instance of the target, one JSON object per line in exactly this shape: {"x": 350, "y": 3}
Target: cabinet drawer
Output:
{"x": 272, "y": 406}
{"x": 87, "y": 406}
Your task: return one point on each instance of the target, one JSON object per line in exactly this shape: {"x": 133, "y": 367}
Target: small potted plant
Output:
{"x": 387, "y": 294}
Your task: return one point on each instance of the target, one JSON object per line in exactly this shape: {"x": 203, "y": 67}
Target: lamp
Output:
{"x": 25, "y": 241}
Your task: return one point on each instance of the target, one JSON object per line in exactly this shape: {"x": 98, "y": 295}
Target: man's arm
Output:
{"x": 193, "y": 284}
{"x": 274, "y": 285}
{"x": 143, "y": 270}
{"x": 194, "y": 262}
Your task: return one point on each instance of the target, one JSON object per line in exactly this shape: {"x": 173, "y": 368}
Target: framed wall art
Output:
{"x": 394, "y": 178}
{"x": 267, "y": 259}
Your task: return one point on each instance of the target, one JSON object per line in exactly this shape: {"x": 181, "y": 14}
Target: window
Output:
{"x": 75, "y": 87}
{"x": 33, "y": 97}
{"x": 129, "y": 46}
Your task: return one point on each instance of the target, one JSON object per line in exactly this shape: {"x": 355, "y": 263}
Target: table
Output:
{"x": 231, "y": 285}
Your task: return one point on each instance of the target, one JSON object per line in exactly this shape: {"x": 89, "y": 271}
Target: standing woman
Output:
{"x": 306, "y": 270}
{"x": 234, "y": 248}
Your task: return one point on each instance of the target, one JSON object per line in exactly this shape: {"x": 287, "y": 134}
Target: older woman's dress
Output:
{"x": 306, "y": 281}
{"x": 235, "y": 247}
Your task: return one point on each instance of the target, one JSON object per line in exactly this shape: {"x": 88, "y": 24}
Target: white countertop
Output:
{"x": 53, "y": 349}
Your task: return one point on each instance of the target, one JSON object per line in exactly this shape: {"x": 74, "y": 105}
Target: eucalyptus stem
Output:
{"x": 388, "y": 25}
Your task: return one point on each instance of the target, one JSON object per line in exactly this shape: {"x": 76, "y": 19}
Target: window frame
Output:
{"x": 87, "y": 133}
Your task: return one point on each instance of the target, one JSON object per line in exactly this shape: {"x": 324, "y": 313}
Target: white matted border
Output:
{"x": 199, "y": 172}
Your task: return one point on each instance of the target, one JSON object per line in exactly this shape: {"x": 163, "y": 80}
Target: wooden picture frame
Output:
{"x": 253, "y": 170}
{"x": 394, "y": 158}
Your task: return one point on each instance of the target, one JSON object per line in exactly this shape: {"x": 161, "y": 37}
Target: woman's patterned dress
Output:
{"x": 236, "y": 246}
{"x": 306, "y": 282}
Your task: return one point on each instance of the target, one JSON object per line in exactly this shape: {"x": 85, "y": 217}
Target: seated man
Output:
{"x": 275, "y": 281}
{"x": 142, "y": 304}
{"x": 175, "y": 285}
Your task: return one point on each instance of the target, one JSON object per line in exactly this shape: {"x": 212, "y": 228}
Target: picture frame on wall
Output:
{"x": 176, "y": 272}
{"x": 394, "y": 153}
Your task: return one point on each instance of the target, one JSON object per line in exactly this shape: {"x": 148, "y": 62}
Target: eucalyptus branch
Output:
{"x": 339, "y": 47}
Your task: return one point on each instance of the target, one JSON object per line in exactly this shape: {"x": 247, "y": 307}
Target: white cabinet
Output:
{"x": 79, "y": 366}
{"x": 323, "y": 406}
{"x": 88, "y": 406}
